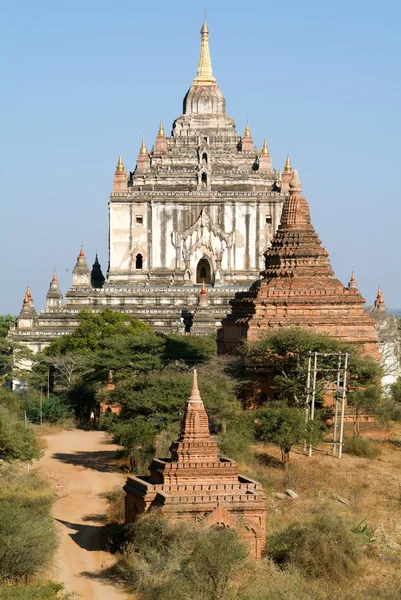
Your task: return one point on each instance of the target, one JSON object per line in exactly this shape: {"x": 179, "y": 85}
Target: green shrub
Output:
{"x": 17, "y": 442}
{"x": 27, "y": 534}
{"x": 324, "y": 547}
{"x": 54, "y": 409}
{"x": 47, "y": 590}
{"x": 361, "y": 447}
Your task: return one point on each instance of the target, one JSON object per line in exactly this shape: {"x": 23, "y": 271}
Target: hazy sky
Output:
{"x": 83, "y": 80}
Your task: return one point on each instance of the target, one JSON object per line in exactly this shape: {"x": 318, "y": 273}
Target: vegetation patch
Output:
{"x": 361, "y": 447}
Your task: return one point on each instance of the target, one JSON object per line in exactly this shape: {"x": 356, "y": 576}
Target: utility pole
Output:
{"x": 41, "y": 409}
{"x": 312, "y": 412}
{"x": 48, "y": 383}
{"x": 336, "y": 404}
{"x": 340, "y": 449}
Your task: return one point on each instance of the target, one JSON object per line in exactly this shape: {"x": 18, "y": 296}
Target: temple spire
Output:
{"x": 352, "y": 284}
{"x": 265, "y": 149}
{"x": 247, "y": 132}
{"x": 143, "y": 149}
{"x": 195, "y": 395}
{"x": 204, "y": 74}
{"x": 287, "y": 166}
{"x": 120, "y": 165}
{"x": 161, "y": 130}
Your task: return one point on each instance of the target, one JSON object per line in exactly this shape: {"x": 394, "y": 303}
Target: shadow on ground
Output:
{"x": 94, "y": 538}
{"x": 102, "y": 460}
{"x": 269, "y": 461}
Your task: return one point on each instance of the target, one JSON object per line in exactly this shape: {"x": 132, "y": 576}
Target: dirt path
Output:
{"x": 80, "y": 467}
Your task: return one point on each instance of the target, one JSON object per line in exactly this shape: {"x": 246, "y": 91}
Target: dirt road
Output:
{"x": 80, "y": 467}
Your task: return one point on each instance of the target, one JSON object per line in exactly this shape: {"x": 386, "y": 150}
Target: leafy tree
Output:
{"x": 191, "y": 349}
{"x": 285, "y": 426}
{"x": 137, "y": 437}
{"x": 54, "y": 409}
{"x": 5, "y": 323}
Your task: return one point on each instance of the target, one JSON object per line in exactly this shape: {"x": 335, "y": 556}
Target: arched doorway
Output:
{"x": 203, "y": 271}
{"x": 139, "y": 261}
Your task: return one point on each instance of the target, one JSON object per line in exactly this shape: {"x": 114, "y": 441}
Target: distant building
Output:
{"x": 389, "y": 341}
{"x": 200, "y": 207}
{"x": 196, "y": 484}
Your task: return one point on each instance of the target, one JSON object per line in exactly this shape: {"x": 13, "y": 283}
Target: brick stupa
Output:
{"x": 195, "y": 483}
{"x": 298, "y": 289}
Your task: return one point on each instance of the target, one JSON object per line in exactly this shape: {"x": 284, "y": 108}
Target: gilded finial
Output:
{"x": 120, "y": 165}
{"x": 379, "y": 297}
{"x": 352, "y": 276}
{"x": 279, "y": 178}
{"x": 54, "y": 276}
{"x": 247, "y": 133}
{"x": 27, "y": 296}
{"x": 287, "y": 166}
{"x": 81, "y": 251}
{"x": 143, "y": 149}
{"x": 161, "y": 130}
{"x": 203, "y": 288}
{"x": 265, "y": 149}
{"x": 204, "y": 75}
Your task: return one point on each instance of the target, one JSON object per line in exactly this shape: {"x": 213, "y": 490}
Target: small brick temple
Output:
{"x": 195, "y": 483}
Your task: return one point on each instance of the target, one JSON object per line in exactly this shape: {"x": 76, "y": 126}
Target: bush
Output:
{"x": 53, "y": 409}
{"x": 17, "y": 442}
{"x": 360, "y": 447}
{"x": 48, "y": 590}
{"x": 324, "y": 547}
{"x": 170, "y": 560}
{"x": 27, "y": 534}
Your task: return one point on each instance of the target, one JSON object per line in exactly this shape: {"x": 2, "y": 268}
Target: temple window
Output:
{"x": 204, "y": 180}
{"x": 139, "y": 220}
{"x": 203, "y": 271}
{"x": 268, "y": 220}
{"x": 139, "y": 261}
{"x": 204, "y": 158}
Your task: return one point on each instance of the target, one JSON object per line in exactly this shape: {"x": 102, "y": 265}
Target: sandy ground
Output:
{"x": 80, "y": 468}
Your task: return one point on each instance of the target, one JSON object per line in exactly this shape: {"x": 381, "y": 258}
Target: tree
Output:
{"x": 137, "y": 437}
{"x": 285, "y": 426}
{"x": 17, "y": 442}
{"x": 5, "y": 323}
{"x": 68, "y": 368}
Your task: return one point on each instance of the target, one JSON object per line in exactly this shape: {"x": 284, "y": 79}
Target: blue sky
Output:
{"x": 83, "y": 80}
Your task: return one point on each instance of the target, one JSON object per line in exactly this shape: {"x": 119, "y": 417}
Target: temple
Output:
{"x": 298, "y": 289}
{"x": 200, "y": 206}
{"x": 196, "y": 484}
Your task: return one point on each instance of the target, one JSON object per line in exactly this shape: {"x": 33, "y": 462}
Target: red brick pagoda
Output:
{"x": 196, "y": 484}
{"x": 298, "y": 289}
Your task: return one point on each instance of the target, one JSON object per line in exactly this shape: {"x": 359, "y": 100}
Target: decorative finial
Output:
{"x": 161, "y": 130}
{"x": 27, "y": 296}
{"x": 279, "y": 178}
{"x": 203, "y": 288}
{"x": 247, "y": 133}
{"x": 352, "y": 276}
{"x": 120, "y": 165}
{"x": 54, "y": 277}
{"x": 143, "y": 149}
{"x": 352, "y": 284}
{"x": 204, "y": 75}
{"x": 295, "y": 184}
{"x": 81, "y": 252}
{"x": 195, "y": 395}
{"x": 379, "y": 297}
{"x": 265, "y": 149}
{"x": 287, "y": 166}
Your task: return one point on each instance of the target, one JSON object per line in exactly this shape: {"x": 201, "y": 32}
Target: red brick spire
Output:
{"x": 296, "y": 250}
{"x": 194, "y": 443}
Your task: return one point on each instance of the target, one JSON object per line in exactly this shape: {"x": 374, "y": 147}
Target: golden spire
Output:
{"x": 265, "y": 149}
{"x": 81, "y": 251}
{"x": 352, "y": 276}
{"x": 27, "y": 296}
{"x": 247, "y": 133}
{"x": 279, "y": 179}
{"x": 28, "y": 292}
{"x": 120, "y": 165}
{"x": 143, "y": 147}
{"x": 379, "y": 298}
{"x": 204, "y": 75}
{"x": 161, "y": 130}
{"x": 54, "y": 276}
{"x": 287, "y": 166}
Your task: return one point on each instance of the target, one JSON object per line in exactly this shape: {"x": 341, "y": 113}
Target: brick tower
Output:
{"x": 298, "y": 289}
{"x": 196, "y": 484}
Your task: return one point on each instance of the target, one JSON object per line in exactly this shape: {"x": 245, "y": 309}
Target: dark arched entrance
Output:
{"x": 203, "y": 271}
